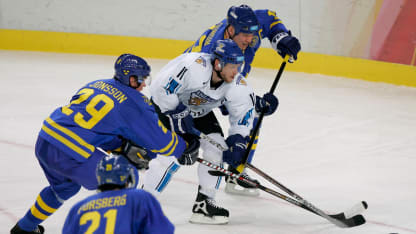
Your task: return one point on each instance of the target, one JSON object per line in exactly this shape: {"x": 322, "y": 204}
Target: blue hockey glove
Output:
{"x": 268, "y": 104}
{"x": 137, "y": 155}
{"x": 224, "y": 110}
{"x": 237, "y": 146}
{"x": 285, "y": 44}
{"x": 181, "y": 121}
{"x": 190, "y": 154}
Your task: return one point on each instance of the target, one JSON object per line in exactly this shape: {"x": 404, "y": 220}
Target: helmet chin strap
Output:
{"x": 218, "y": 72}
{"x": 229, "y": 34}
{"x": 137, "y": 81}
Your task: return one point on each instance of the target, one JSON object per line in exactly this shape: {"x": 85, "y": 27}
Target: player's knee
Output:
{"x": 210, "y": 151}
{"x": 66, "y": 190}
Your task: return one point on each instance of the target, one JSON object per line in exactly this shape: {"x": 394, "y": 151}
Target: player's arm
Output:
{"x": 241, "y": 104}
{"x": 279, "y": 36}
{"x": 148, "y": 137}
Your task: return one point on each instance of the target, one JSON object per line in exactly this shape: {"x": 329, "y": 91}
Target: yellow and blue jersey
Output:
{"x": 270, "y": 25}
{"x": 102, "y": 112}
{"x": 119, "y": 211}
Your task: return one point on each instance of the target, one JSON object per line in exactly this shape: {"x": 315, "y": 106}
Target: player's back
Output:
{"x": 95, "y": 116}
{"x": 118, "y": 211}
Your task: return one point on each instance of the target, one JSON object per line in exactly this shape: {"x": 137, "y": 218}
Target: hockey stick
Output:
{"x": 338, "y": 219}
{"x": 257, "y": 127}
{"x": 357, "y": 209}
{"x": 360, "y": 207}
{"x": 240, "y": 168}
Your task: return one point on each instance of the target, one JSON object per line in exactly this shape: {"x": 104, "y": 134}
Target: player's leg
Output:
{"x": 157, "y": 177}
{"x": 162, "y": 168}
{"x": 205, "y": 210}
{"x": 237, "y": 187}
{"x": 51, "y": 197}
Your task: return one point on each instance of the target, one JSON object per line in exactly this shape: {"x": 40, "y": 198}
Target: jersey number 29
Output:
{"x": 90, "y": 108}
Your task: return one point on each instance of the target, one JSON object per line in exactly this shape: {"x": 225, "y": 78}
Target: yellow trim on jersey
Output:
{"x": 173, "y": 142}
{"x": 274, "y": 23}
{"x": 174, "y": 147}
{"x": 66, "y": 142}
{"x": 35, "y": 212}
{"x": 44, "y": 206}
{"x": 71, "y": 134}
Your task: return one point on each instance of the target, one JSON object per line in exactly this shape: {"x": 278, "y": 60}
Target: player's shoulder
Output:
{"x": 240, "y": 87}
{"x": 240, "y": 80}
{"x": 84, "y": 201}
{"x": 199, "y": 59}
{"x": 139, "y": 194}
{"x": 198, "y": 67}
{"x": 264, "y": 13}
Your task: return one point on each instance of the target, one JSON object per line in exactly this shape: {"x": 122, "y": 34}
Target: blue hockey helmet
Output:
{"x": 131, "y": 65}
{"x": 243, "y": 19}
{"x": 116, "y": 170}
{"x": 227, "y": 51}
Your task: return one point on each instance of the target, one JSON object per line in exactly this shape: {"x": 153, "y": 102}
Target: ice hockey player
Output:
{"x": 247, "y": 28}
{"x": 101, "y": 115}
{"x": 185, "y": 92}
{"x": 118, "y": 207}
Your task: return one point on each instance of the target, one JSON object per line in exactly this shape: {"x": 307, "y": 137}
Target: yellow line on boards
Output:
{"x": 64, "y": 42}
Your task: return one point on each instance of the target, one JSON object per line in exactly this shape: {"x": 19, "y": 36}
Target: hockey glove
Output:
{"x": 180, "y": 120}
{"x": 224, "y": 110}
{"x": 137, "y": 155}
{"x": 190, "y": 154}
{"x": 267, "y": 104}
{"x": 237, "y": 146}
{"x": 285, "y": 44}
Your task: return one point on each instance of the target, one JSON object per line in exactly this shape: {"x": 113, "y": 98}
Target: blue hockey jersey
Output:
{"x": 270, "y": 25}
{"x": 100, "y": 114}
{"x": 126, "y": 211}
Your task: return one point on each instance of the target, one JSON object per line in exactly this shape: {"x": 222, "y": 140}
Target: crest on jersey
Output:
{"x": 254, "y": 41}
{"x": 199, "y": 98}
{"x": 147, "y": 100}
{"x": 240, "y": 80}
{"x": 201, "y": 61}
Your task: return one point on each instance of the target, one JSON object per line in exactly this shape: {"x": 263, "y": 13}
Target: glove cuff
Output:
{"x": 277, "y": 38}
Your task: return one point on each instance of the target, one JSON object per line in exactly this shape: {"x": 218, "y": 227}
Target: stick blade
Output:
{"x": 354, "y": 221}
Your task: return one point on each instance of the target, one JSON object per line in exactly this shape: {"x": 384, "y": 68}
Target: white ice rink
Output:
{"x": 334, "y": 141}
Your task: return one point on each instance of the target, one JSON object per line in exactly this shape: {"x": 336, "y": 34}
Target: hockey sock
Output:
{"x": 46, "y": 204}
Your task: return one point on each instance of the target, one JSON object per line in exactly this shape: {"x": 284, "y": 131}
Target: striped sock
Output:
{"x": 46, "y": 204}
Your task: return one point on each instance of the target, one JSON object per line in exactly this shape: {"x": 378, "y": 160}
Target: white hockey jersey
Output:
{"x": 187, "y": 79}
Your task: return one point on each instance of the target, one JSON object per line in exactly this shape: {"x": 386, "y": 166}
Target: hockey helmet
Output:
{"x": 131, "y": 65}
{"x": 227, "y": 51}
{"x": 243, "y": 19}
{"x": 116, "y": 170}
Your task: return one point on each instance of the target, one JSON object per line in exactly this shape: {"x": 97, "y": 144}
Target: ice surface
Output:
{"x": 334, "y": 141}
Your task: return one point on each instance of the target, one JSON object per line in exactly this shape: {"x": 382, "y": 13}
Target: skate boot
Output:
{"x": 17, "y": 230}
{"x": 234, "y": 186}
{"x": 206, "y": 212}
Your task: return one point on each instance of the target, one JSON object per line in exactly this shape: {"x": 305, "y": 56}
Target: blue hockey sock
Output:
{"x": 46, "y": 204}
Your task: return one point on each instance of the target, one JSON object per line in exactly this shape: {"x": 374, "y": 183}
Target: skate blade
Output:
{"x": 238, "y": 190}
{"x": 202, "y": 219}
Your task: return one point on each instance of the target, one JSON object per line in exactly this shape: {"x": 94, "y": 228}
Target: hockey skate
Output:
{"x": 17, "y": 230}
{"x": 206, "y": 212}
{"x": 234, "y": 186}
